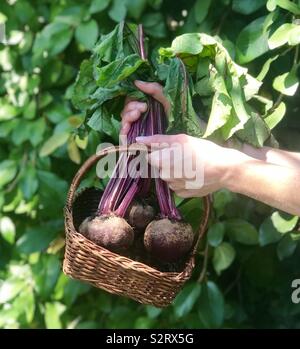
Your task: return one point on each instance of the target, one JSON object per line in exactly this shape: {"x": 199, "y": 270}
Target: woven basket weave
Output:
{"x": 86, "y": 261}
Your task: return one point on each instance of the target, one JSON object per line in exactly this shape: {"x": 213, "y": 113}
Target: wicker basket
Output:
{"x": 86, "y": 261}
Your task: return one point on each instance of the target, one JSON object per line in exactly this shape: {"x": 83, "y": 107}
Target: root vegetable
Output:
{"x": 111, "y": 232}
{"x": 140, "y": 215}
{"x": 168, "y": 240}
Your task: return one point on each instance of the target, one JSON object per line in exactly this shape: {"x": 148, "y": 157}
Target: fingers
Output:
{"x": 163, "y": 160}
{"x": 135, "y": 105}
{"x": 155, "y": 90}
{"x": 131, "y": 113}
{"x": 162, "y": 141}
{"x": 125, "y": 128}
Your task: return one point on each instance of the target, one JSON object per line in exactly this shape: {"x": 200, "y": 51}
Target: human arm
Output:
{"x": 268, "y": 175}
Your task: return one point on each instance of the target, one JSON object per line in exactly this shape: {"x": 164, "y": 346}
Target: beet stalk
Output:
{"x": 109, "y": 228}
{"x": 168, "y": 238}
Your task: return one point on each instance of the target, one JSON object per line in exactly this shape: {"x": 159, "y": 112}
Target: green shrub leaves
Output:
{"x": 50, "y": 122}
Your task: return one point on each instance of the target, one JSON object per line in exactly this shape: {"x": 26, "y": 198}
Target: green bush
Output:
{"x": 251, "y": 254}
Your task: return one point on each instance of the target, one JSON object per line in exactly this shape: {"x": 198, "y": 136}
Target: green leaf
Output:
{"x": 8, "y": 170}
{"x": 73, "y": 151}
{"x": 37, "y": 129}
{"x": 285, "y": 4}
{"x": 224, "y": 255}
{"x": 242, "y": 231}
{"x": 153, "y": 312}
{"x": 286, "y": 247}
{"x": 28, "y": 182}
{"x": 247, "y": 7}
{"x": 201, "y": 10}
{"x": 72, "y": 15}
{"x": 53, "y": 39}
{"x": 87, "y": 33}
{"x": 255, "y": 131}
{"x": 35, "y": 239}
{"x": 53, "y": 312}
{"x": 268, "y": 234}
{"x": 287, "y": 83}
{"x": 220, "y": 113}
{"x": 276, "y": 116}
{"x": 118, "y": 10}
{"x": 110, "y": 46}
{"x": 46, "y": 272}
{"x": 10, "y": 288}
{"x": 238, "y": 100}
{"x": 3, "y": 18}
{"x": 187, "y": 44}
{"x": 295, "y": 235}
{"x": 7, "y": 229}
{"x": 118, "y": 70}
{"x": 98, "y": 5}
{"x": 52, "y": 193}
{"x": 186, "y": 299}
{"x": 8, "y": 112}
{"x": 154, "y": 24}
{"x": 102, "y": 122}
{"x": 211, "y": 306}
{"x": 284, "y": 222}
{"x": 85, "y": 85}
{"x": 220, "y": 199}
{"x": 143, "y": 322}
{"x": 252, "y": 42}
{"x": 266, "y": 67}
{"x": 25, "y": 302}
{"x": 136, "y": 8}
{"x": 190, "y": 212}
{"x": 294, "y": 37}
{"x": 54, "y": 142}
{"x": 282, "y": 35}
{"x": 215, "y": 234}
{"x": 182, "y": 116}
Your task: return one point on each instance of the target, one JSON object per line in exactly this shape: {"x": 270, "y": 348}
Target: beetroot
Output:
{"x": 139, "y": 214}
{"x": 111, "y": 232}
{"x": 168, "y": 240}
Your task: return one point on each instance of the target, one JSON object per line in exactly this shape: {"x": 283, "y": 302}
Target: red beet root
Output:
{"x": 139, "y": 215}
{"x": 168, "y": 240}
{"x": 111, "y": 232}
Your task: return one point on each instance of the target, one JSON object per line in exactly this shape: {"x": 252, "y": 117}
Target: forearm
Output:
{"x": 273, "y": 156}
{"x": 277, "y": 186}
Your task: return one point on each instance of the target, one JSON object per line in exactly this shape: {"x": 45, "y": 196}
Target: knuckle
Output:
{"x": 135, "y": 113}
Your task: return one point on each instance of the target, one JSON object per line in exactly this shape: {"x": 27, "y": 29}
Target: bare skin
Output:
{"x": 269, "y": 175}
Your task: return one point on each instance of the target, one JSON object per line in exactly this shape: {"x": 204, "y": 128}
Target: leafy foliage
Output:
{"x": 251, "y": 252}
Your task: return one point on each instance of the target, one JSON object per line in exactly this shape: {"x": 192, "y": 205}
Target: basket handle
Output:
{"x": 123, "y": 148}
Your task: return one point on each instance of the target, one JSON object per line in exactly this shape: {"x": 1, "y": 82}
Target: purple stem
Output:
{"x": 141, "y": 42}
{"x": 134, "y": 188}
{"x": 164, "y": 195}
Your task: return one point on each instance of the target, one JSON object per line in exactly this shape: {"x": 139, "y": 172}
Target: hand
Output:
{"x": 134, "y": 109}
{"x": 205, "y": 166}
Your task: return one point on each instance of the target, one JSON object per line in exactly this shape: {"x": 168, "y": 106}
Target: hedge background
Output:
{"x": 251, "y": 253}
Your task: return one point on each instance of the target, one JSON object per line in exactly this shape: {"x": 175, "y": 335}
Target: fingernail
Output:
{"x": 141, "y": 138}
{"x": 139, "y": 82}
